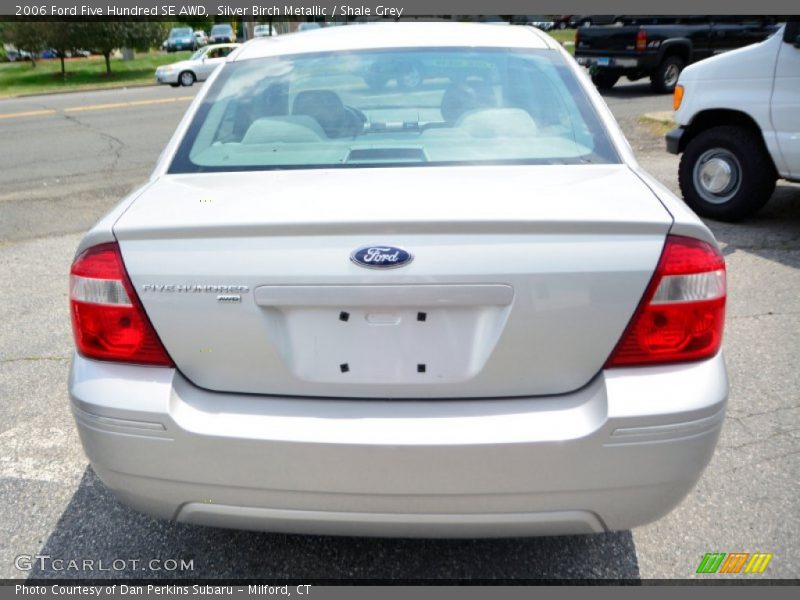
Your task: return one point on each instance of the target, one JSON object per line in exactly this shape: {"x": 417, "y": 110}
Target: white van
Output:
{"x": 738, "y": 118}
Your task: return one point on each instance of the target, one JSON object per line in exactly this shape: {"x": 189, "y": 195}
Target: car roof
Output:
{"x": 397, "y": 35}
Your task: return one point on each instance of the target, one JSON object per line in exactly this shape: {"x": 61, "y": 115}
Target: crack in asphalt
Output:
{"x": 765, "y": 459}
{"x": 115, "y": 145}
{"x": 767, "y": 412}
{"x": 33, "y": 359}
{"x": 769, "y": 313}
{"x": 760, "y": 440}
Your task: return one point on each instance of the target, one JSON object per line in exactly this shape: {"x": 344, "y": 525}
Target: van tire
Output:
{"x": 739, "y": 154}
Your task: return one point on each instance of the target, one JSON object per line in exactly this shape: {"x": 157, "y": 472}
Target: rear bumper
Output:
{"x": 641, "y": 63}
{"x": 620, "y": 452}
{"x": 608, "y": 62}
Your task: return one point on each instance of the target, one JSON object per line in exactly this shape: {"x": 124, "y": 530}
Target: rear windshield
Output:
{"x": 391, "y": 107}
{"x": 180, "y": 33}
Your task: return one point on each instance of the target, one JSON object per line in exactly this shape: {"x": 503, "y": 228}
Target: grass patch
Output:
{"x": 563, "y": 35}
{"x": 657, "y": 128}
{"x": 20, "y": 78}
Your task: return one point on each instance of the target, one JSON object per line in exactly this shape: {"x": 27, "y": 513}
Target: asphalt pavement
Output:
{"x": 68, "y": 158}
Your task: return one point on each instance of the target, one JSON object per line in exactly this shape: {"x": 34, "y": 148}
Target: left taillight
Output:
{"x": 682, "y": 314}
{"x": 108, "y": 321}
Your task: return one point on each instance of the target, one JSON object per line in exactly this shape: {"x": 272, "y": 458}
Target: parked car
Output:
{"x": 48, "y": 53}
{"x": 201, "y": 37}
{"x": 661, "y": 51}
{"x": 589, "y": 20}
{"x": 540, "y": 21}
{"x": 197, "y": 68}
{"x": 13, "y": 54}
{"x": 308, "y": 26}
{"x": 563, "y": 21}
{"x": 264, "y": 30}
{"x": 412, "y": 71}
{"x": 738, "y": 119}
{"x": 341, "y": 312}
{"x": 222, "y": 33}
{"x": 493, "y": 20}
{"x": 181, "y": 38}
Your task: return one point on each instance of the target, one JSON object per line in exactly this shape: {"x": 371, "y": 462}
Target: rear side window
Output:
{"x": 393, "y": 108}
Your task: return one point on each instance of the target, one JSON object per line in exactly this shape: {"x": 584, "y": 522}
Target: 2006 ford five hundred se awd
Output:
{"x": 400, "y": 279}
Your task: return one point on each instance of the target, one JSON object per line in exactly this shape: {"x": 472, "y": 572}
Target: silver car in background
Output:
{"x": 458, "y": 309}
{"x": 198, "y": 67}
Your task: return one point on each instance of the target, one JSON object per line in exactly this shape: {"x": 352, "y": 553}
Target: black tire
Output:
{"x": 665, "y": 77}
{"x": 605, "y": 80}
{"x": 562, "y": 25}
{"x": 187, "y": 78}
{"x": 752, "y": 173}
{"x": 410, "y": 76}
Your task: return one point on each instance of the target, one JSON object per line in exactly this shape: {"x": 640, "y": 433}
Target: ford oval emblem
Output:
{"x": 381, "y": 257}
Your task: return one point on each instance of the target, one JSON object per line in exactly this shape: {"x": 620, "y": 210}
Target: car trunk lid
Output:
{"x": 522, "y": 279}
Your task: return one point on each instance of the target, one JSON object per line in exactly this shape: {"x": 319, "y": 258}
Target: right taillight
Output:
{"x": 682, "y": 314}
{"x": 641, "y": 40}
{"x": 108, "y": 321}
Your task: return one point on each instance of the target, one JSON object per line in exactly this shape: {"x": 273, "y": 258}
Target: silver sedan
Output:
{"x": 197, "y": 67}
{"x": 454, "y": 309}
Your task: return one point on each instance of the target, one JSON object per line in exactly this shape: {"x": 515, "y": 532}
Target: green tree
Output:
{"x": 107, "y": 36}
{"x": 26, "y": 35}
{"x": 61, "y": 37}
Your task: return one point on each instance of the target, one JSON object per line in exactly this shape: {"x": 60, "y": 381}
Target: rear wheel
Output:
{"x": 605, "y": 80}
{"x": 186, "y": 78}
{"x": 562, "y": 24}
{"x": 666, "y": 75}
{"x": 726, "y": 174}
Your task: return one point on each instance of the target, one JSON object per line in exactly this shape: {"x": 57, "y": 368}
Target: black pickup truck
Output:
{"x": 660, "y": 47}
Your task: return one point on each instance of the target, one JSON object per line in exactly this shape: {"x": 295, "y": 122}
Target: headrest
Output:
{"x": 283, "y": 130}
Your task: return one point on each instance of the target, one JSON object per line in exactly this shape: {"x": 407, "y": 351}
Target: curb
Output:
{"x": 76, "y": 91}
{"x": 664, "y": 117}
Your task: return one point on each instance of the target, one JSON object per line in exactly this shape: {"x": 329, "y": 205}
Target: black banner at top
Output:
{"x": 343, "y": 9}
